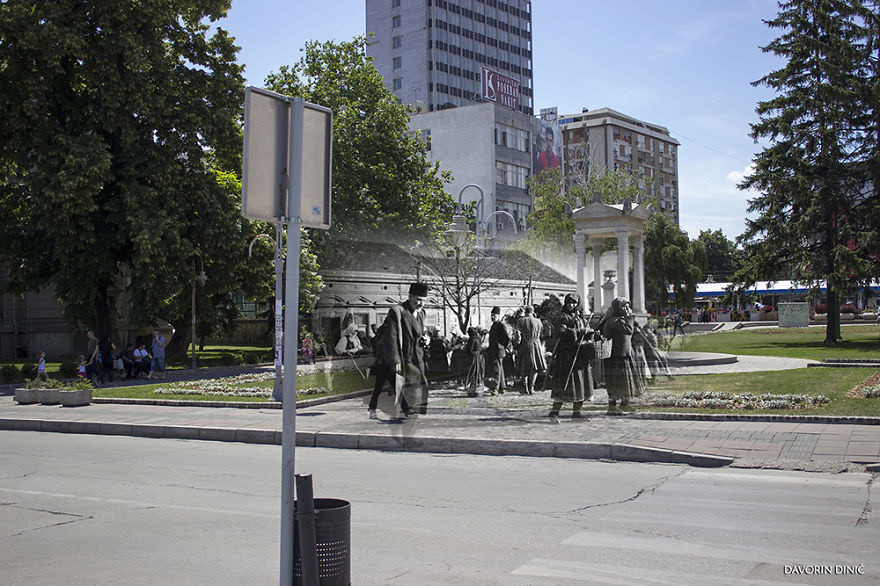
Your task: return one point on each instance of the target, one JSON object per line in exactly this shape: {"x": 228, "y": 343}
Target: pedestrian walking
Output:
{"x": 93, "y": 359}
{"x": 475, "y": 348}
{"x": 40, "y": 371}
{"x": 384, "y": 372}
{"x": 499, "y": 340}
{"x": 157, "y": 351}
{"x": 403, "y": 350}
{"x": 678, "y": 325}
{"x": 531, "y": 350}
{"x": 572, "y": 381}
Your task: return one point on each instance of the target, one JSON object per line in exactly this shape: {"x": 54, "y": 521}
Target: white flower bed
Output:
{"x": 747, "y": 401}
{"x": 230, "y": 386}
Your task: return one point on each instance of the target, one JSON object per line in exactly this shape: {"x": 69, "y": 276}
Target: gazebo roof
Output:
{"x": 603, "y": 220}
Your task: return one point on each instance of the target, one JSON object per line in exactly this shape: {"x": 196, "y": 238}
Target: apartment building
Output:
{"x": 441, "y": 54}
{"x": 605, "y": 139}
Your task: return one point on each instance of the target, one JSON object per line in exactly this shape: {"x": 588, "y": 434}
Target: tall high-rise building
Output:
{"x": 448, "y": 53}
{"x": 605, "y": 139}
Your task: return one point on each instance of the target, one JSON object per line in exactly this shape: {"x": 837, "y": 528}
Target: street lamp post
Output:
{"x": 201, "y": 278}
{"x": 458, "y": 233}
{"x": 480, "y": 207}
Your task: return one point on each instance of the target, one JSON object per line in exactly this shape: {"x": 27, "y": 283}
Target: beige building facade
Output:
{"x": 608, "y": 140}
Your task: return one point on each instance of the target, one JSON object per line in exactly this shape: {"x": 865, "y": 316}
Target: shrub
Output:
{"x": 67, "y": 369}
{"x": 820, "y": 308}
{"x": 28, "y": 371}
{"x": 232, "y": 359}
{"x": 848, "y": 308}
{"x": 253, "y": 358}
{"x": 9, "y": 373}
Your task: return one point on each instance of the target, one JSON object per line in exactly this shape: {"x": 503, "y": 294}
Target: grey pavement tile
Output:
{"x": 738, "y": 444}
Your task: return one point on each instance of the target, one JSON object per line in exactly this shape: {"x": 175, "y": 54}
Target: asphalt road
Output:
{"x": 81, "y": 509}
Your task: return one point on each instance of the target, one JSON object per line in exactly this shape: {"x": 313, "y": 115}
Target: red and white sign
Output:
{"x": 500, "y": 89}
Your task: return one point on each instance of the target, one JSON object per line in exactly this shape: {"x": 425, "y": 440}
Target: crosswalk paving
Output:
{"x": 724, "y": 527}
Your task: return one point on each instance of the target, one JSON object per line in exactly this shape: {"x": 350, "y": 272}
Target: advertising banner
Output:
{"x": 500, "y": 89}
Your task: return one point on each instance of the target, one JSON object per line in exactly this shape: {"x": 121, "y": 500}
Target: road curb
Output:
{"x": 386, "y": 443}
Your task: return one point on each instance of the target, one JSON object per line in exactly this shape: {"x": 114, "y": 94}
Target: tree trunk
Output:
{"x": 832, "y": 319}
{"x": 177, "y": 347}
{"x": 101, "y": 318}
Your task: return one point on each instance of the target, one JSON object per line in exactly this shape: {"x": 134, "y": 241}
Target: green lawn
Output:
{"x": 224, "y": 355}
{"x": 860, "y": 341}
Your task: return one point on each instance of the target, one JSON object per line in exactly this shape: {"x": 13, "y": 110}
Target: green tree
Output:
{"x": 723, "y": 258}
{"x": 382, "y": 182}
{"x": 672, "y": 260}
{"x": 115, "y": 148}
{"x": 551, "y": 228}
{"x": 809, "y": 177}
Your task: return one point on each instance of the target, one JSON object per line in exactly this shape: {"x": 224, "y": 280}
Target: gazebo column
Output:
{"x": 623, "y": 264}
{"x": 580, "y": 261}
{"x": 639, "y": 274}
{"x": 596, "y": 243}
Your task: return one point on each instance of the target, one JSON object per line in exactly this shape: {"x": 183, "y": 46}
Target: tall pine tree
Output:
{"x": 807, "y": 176}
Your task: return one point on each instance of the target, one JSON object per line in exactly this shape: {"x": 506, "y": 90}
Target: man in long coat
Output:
{"x": 499, "y": 340}
{"x": 531, "y": 350}
{"x": 403, "y": 350}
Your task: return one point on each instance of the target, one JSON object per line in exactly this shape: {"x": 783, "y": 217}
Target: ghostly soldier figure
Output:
{"x": 572, "y": 381}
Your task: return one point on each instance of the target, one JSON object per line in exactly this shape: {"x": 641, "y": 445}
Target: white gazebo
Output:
{"x": 597, "y": 221}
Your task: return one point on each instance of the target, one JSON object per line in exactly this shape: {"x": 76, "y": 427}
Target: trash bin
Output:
{"x": 333, "y": 540}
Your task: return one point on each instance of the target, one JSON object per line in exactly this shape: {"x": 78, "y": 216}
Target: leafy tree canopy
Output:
{"x": 671, "y": 259}
{"x": 382, "y": 182}
{"x": 723, "y": 258}
{"x": 116, "y": 147}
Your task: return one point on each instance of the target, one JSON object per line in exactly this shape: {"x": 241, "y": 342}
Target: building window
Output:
{"x": 396, "y": 42}
{"x": 395, "y": 3}
{"x": 395, "y": 21}
{"x": 397, "y": 83}
{"x": 397, "y": 63}
{"x": 512, "y": 175}
{"x": 512, "y": 138}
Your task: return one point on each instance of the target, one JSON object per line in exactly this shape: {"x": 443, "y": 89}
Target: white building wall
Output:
{"x": 463, "y": 142}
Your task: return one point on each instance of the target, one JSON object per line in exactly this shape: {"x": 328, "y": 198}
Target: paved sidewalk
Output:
{"x": 510, "y": 425}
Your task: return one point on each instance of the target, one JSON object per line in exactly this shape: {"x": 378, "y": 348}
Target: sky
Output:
{"x": 687, "y": 65}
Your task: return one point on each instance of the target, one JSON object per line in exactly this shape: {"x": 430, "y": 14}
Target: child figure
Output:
{"x": 81, "y": 367}
{"x": 41, "y": 367}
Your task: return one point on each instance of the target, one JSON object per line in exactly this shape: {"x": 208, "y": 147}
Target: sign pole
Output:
{"x": 286, "y": 178}
{"x": 288, "y": 405}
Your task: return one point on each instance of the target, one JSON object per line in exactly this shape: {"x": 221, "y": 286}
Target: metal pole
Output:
{"x": 288, "y": 408}
{"x": 193, "y": 363}
{"x": 277, "y": 389}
